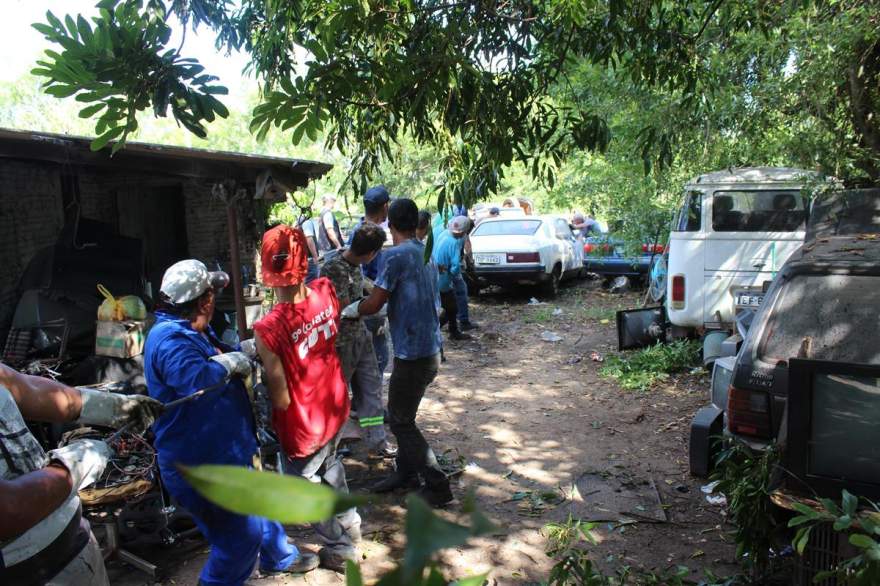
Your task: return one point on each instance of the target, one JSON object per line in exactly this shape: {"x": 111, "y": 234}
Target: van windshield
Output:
{"x": 758, "y": 211}
{"x": 834, "y": 317}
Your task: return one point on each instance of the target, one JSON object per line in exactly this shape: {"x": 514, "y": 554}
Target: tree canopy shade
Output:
{"x": 482, "y": 83}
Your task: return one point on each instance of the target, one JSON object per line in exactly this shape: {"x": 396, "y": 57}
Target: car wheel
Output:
{"x": 551, "y": 286}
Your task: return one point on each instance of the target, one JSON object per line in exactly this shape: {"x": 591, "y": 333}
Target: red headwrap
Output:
{"x": 284, "y": 256}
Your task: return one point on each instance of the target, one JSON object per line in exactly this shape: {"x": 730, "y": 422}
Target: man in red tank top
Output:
{"x": 304, "y": 377}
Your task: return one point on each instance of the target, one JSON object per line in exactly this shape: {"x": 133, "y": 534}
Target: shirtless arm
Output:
{"x": 41, "y": 399}
{"x": 276, "y": 380}
{"x": 28, "y": 499}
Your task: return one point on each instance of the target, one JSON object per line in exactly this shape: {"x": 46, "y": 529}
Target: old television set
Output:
{"x": 833, "y": 428}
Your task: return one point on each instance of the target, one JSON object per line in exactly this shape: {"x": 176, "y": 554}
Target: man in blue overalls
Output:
{"x": 183, "y": 355}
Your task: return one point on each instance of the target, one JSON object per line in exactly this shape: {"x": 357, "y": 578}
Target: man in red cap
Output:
{"x": 304, "y": 376}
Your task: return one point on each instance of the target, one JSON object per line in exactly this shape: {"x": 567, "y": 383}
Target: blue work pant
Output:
{"x": 461, "y": 298}
{"x": 236, "y": 540}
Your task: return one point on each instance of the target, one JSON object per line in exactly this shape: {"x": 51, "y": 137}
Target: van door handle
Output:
{"x": 759, "y": 265}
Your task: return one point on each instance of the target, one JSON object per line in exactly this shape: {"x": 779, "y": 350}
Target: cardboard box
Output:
{"x": 120, "y": 339}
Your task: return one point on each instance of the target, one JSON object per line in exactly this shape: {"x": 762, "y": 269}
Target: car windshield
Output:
{"x": 507, "y": 228}
{"x": 833, "y": 317}
{"x": 758, "y": 211}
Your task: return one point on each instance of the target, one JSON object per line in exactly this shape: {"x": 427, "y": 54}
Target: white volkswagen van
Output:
{"x": 734, "y": 230}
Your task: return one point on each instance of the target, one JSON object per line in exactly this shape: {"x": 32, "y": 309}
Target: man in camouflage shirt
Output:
{"x": 353, "y": 342}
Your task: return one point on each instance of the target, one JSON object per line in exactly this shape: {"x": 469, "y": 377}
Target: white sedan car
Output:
{"x": 527, "y": 250}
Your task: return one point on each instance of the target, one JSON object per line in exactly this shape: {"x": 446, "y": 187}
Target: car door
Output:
{"x": 566, "y": 244}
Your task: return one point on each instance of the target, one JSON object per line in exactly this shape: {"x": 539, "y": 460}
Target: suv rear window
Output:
{"x": 758, "y": 211}
{"x": 507, "y": 228}
{"x": 838, "y": 313}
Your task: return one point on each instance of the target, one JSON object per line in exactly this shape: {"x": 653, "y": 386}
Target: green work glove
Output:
{"x": 235, "y": 363}
{"x": 115, "y": 410}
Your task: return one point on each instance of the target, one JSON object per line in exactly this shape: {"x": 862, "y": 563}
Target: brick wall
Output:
{"x": 32, "y": 215}
{"x": 30, "y": 219}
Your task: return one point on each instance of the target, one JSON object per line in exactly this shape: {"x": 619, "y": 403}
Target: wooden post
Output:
{"x": 235, "y": 259}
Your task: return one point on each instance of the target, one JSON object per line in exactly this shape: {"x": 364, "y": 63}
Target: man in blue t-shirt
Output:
{"x": 447, "y": 256}
{"x": 409, "y": 286}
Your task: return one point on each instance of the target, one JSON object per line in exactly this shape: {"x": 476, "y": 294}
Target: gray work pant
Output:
{"x": 86, "y": 569}
{"x": 325, "y": 466}
{"x": 361, "y": 372}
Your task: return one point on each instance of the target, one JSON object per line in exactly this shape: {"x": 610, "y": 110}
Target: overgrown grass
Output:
{"x": 598, "y": 313}
{"x": 540, "y": 315}
{"x": 641, "y": 369}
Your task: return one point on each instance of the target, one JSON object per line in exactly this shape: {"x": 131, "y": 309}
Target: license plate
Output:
{"x": 749, "y": 299}
{"x": 487, "y": 259}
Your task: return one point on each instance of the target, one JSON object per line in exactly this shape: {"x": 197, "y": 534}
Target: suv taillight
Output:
{"x": 748, "y": 413}
{"x": 678, "y": 292}
{"x": 523, "y": 257}
{"x": 588, "y": 248}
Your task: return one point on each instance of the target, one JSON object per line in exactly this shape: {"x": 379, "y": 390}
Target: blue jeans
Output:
{"x": 378, "y": 330}
{"x": 236, "y": 540}
{"x": 461, "y": 298}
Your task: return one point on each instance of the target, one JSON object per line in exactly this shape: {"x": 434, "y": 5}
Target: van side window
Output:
{"x": 690, "y": 214}
{"x": 758, "y": 211}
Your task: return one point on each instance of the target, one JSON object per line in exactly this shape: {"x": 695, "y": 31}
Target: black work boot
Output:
{"x": 396, "y": 481}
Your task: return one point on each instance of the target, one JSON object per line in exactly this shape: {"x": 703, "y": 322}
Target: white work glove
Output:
{"x": 383, "y": 311}
{"x": 249, "y": 348}
{"x": 351, "y": 310}
{"x": 235, "y": 363}
{"x": 115, "y": 410}
{"x": 84, "y": 459}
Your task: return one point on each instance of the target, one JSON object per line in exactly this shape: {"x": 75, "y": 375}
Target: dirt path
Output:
{"x": 527, "y": 417}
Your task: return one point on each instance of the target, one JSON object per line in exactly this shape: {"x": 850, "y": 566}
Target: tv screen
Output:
{"x": 833, "y": 433}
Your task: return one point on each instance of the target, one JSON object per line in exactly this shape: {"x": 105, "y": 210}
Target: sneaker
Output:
{"x": 395, "y": 482}
{"x": 468, "y": 326}
{"x": 306, "y": 562}
{"x": 459, "y": 336}
{"x": 383, "y": 451}
{"x": 437, "y": 496}
{"x": 333, "y": 557}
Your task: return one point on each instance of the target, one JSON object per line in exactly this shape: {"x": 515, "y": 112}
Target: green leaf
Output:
{"x": 850, "y": 503}
{"x": 101, "y": 141}
{"x": 805, "y": 510}
{"x": 844, "y": 522}
{"x": 287, "y": 499}
{"x": 801, "y": 539}
{"x": 44, "y": 29}
{"x": 862, "y": 541}
{"x": 426, "y": 533}
{"x": 353, "y": 574}
{"x": 429, "y": 246}
{"x": 90, "y": 111}
{"x": 61, "y": 91}
{"x": 799, "y": 520}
